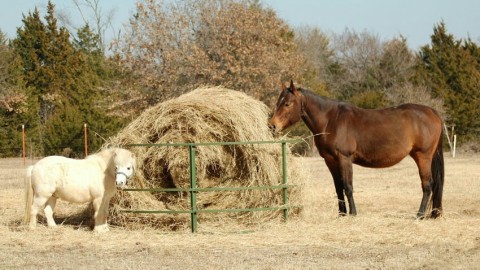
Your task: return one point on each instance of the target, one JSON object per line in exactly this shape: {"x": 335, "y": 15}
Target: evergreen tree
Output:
{"x": 64, "y": 79}
{"x": 14, "y": 103}
{"x": 87, "y": 41}
{"x": 450, "y": 68}
{"x": 46, "y": 53}
{"x": 93, "y": 78}
{"x": 65, "y": 130}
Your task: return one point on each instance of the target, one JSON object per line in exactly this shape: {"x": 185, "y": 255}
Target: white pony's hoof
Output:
{"x": 101, "y": 229}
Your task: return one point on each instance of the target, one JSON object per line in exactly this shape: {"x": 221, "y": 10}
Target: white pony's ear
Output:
{"x": 134, "y": 162}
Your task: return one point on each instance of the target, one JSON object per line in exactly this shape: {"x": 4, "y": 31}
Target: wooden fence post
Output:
{"x": 23, "y": 144}
{"x": 448, "y": 136}
{"x": 86, "y": 141}
{"x": 454, "y": 145}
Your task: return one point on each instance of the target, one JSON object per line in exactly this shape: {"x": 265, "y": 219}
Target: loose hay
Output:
{"x": 204, "y": 115}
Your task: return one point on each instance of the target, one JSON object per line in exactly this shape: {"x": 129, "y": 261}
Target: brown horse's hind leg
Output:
{"x": 424, "y": 170}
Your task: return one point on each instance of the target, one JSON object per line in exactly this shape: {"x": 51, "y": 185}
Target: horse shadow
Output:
{"x": 80, "y": 220}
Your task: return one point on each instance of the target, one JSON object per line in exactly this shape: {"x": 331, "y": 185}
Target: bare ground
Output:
{"x": 384, "y": 235}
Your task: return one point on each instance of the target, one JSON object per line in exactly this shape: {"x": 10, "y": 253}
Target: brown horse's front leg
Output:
{"x": 346, "y": 173}
{"x": 342, "y": 208}
{"x": 338, "y": 181}
{"x": 351, "y": 203}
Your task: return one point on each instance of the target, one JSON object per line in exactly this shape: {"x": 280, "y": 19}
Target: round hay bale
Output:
{"x": 212, "y": 114}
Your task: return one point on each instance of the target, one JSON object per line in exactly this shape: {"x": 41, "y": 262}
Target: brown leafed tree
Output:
{"x": 172, "y": 48}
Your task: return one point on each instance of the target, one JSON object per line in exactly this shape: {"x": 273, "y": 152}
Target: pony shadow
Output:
{"x": 79, "y": 221}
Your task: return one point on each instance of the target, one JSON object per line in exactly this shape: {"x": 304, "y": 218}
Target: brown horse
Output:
{"x": 346, "y": 135}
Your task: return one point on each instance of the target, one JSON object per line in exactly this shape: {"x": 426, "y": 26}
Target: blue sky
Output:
{"x": 414, "y": 19}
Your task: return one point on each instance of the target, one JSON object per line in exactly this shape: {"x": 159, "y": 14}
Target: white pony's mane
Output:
{"x": 104, "y": 153}
{"x": 105, "y": 159}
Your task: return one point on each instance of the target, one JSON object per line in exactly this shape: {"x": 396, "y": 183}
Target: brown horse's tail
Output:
{"x": 28, "y": 195}
{"x": 438, "y": 175}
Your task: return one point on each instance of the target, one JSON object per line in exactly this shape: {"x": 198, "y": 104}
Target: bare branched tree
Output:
{"x": 95, "y": 16}
{"x": 374, "y": 73}
{"x": 358, "y": 55}
{"x": 102, "y": 20}
{"x": 397, "y": 63}
{"x": 315, "y": 46}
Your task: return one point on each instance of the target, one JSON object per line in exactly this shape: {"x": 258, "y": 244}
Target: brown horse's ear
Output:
{"x": 293, "y": 89}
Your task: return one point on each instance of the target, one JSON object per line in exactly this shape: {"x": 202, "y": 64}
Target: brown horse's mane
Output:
{"x": 325, "y": 101}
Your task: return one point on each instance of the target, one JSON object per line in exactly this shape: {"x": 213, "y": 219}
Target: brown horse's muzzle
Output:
{"x": 274, "y": 126}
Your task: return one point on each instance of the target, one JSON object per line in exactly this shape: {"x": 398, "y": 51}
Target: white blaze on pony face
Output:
{"x": 124, "y": 166}
{"x": 120, "y": 179}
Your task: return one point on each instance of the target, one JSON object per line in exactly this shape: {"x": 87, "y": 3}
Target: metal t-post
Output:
{"x": 284, "y": 179}
{"x": 193, "y": 186}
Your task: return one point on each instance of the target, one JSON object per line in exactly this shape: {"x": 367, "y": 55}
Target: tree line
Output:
{"x": 53, "y": 80}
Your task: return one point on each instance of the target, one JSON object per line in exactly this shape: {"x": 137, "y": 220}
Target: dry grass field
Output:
{"x": 384, "y": 235}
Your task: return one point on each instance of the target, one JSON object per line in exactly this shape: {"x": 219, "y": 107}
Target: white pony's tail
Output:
{"x": 28, "y": 194}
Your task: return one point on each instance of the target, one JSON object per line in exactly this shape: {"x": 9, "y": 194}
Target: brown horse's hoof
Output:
{"x": 436, "y": 213}
{"x": 420, "y": 216}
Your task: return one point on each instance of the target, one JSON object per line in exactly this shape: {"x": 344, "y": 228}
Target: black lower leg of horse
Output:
{"x": 351, "y": 203}
{"x": 436, "y": 212}
{"x": 427, "y": 191}
{"x": 424, "y": 170}
{"x": 339, "y": 187}
{"x": 342, "y": 208}
{"x": 346, "y": 172}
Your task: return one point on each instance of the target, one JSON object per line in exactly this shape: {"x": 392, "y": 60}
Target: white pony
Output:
{"x": 93, "y": 179}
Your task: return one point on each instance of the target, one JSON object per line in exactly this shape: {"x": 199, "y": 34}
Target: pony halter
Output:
{"x": 124, "y": 174}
